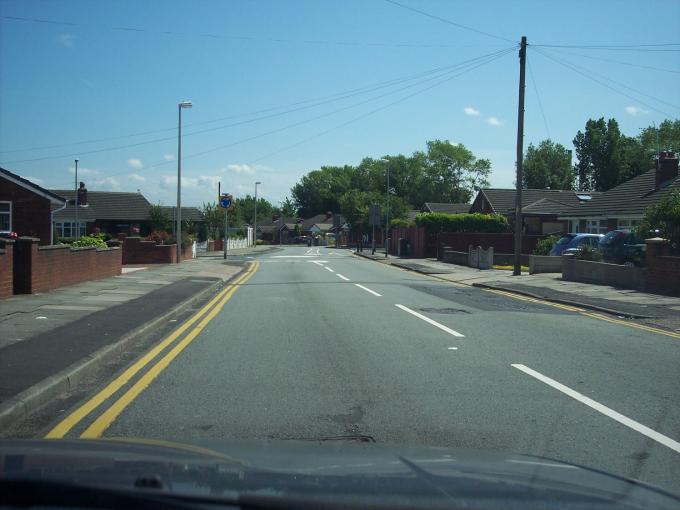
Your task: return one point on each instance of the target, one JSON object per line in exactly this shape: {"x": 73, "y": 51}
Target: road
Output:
{"x": 318, "y": 343}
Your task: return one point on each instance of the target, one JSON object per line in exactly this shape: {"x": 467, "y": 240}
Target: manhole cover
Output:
{"x": 444, "y": 310}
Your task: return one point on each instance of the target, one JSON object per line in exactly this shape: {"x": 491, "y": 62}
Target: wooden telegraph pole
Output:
{"x": 520, "y": 154}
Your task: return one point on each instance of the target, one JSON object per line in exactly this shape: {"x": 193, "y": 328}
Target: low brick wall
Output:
{"x": 499, "y": 259}
{"x": 44, "y": 268}
{"x": 663, "y": 270}
{"x": 138, "y": 251}
{"x": 601, "y": 273}
{"x": 508, "y": 259}
{"x": 544, "y": 264}
{"x": 455, "y": 257}
{"x": 502, "y": 243}
{"x": 6, "y": 268}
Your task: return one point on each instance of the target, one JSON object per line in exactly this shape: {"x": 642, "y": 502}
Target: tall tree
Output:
{"x": 287, "y": 207}
{"x": 245, "y": 207}
{"x": 606, "y": 157}
{"x": 158, "y": 218}
{"x": 665, "y": 136}
{"x": 548, "y": 166}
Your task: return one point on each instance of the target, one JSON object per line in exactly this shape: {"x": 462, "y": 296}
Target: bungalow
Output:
{"x": 193, "y": 214}
{"x": 26, "y": 208}
{"x": 623, "y": 206}
{"x": 541, "y": 208}
{"x": 278, "y": 226}
{"x": 456, "y": 208}
{"x": 111, "y": 212}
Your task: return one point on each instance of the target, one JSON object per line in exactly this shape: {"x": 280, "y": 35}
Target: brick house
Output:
{"x": 111, "y": 212}
{"x": 26, "y": 208}
{"x": 623, "y": 206}
{"x": 542, "y": 209}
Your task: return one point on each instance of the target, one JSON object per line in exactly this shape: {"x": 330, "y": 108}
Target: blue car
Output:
{"x": 569, "y": 243}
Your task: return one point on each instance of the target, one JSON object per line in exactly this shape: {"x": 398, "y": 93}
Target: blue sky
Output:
{"x": 109, "y": 70}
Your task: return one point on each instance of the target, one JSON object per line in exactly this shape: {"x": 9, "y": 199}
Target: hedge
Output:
{"x": 473, "y": 222}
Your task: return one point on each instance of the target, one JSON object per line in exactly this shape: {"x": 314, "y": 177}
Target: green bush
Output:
{"x": 544, "y": 246}
{"x": 400, "y": 222}
{"x": 588, "y": 253}
{"x": 467, "y": 222}
{"x": 664, "y": 217}
{"x": 96, "y": 240}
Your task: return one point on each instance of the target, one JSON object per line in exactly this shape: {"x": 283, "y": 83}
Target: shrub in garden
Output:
{"x": 467, "y": 222}
{"x": 544, "y": 246}
{"x": 96, "y": 240}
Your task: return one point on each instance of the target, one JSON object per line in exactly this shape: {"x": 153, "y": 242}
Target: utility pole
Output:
{"x": 387, "y": 215}
{"x": 77, "y": 236}
{"x": 520, "y": 155}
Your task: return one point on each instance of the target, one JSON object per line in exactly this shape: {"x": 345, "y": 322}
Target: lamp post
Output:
{"x": 178, "y": 217}
{"x": 77, "y": 236}
{"x": 255, "y": 220}
{"x": 387, "y": 212}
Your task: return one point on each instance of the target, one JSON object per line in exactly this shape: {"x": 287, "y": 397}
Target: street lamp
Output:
{"x": 178, "y": 217}
{"x": 255, "y": 220}
{"x": 76, "y": 203}
{"x": 387, "y": 212}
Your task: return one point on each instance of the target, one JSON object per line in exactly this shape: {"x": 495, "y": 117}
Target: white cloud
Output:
{"x": 34, "y": 180}
{"x": 202, "y": 181}
{"x": 634, "y": 110}
{"x": 469, "y": 110}
{"x": 82, "y": 171}
{"x": 169, "y": 157}
{"x": 106, "y": 183}
{"x": 66, "y": 40}
{"x": 135, "y": 163}
{"x": 136, "y": 177}
{"x": 241, "y": 169}
{"x": 494, "y": 121}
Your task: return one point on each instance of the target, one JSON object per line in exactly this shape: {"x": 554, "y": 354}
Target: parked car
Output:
{"x": 570, "y": 243}
{"x": 623, "y": 247}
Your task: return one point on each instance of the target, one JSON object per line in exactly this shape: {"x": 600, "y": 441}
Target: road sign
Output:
{"x": 374, "y": 215}
{"x": 225, "y": 201}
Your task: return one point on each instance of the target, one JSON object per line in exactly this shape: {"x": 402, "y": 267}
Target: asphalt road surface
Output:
{"x": 317, "y": 343}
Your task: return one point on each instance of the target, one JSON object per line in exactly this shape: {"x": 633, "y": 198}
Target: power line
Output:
{"x": 629, "y": 47}
{"x": 467, "y": 65}
{"x": 641, "y": 66}
{"x": 320, "y": 101}
{"x": 317, "y": 135}
{"x": 570, "y": 66}
{"x": 206, "y": 35}
{"x": 585, "y": 69}
{"x": 538, "y": 97}
{"x": 448, "y": 21}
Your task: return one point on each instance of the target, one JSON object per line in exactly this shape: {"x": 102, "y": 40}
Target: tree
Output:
{"x": 158, "y": 218}
{"x": 664, "y": 216}
{"x": 244, "y": 210}
{"x": 666, "y": 136}
{"x": 606, "y": 157}
{"x": 214, "y": 219}
{"x": 548, "y": 166}
{"x": 287, "y": 207}
{"x": 453, "y": 173}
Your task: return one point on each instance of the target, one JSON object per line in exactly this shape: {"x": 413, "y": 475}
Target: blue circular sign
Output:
{"x": 225, "y": 202}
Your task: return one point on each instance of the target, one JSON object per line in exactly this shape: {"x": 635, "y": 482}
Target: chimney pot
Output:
{"x": 82, "y": 194}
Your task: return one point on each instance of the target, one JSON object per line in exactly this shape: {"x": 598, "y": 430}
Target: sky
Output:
{"x": 281, "y": 87}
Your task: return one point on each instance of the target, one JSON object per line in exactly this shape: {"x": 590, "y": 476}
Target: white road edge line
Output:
{"x": 430, "y": 321}
{"x": 318, "y": 263}
{"x": 624, "y": 420}
{"x": 329, "y": 269}
{"x": 343, "y": 277}
{"x": 368, "y": 290}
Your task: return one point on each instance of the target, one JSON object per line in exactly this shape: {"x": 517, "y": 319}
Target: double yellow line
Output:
{"x": 97, "y": 428}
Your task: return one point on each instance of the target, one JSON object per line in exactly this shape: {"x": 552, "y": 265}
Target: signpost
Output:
{"x": 373, "y": 220}
{"x": 225, "y": 201}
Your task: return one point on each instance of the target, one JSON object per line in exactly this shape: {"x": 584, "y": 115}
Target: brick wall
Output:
{"x": 6, "y": 268}
{"x": 44, "y": 268}
{"x": 663, "y": 270}
{"x": 416, "y": 236}
{"x": 138, "y": 251}
{"x": 502, "y": 243}
{"x": 30, "y": 212}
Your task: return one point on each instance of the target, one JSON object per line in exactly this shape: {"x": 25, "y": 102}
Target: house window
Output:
{"x": 68, "y": 229}
{"x": 627, "y": 224}
{"x": 597, "y": 226}
{"x": 5, "y": 216}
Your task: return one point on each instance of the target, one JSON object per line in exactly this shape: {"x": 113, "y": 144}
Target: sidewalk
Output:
{"x": 50, "y": 340}
{"x": 651, "y": 309}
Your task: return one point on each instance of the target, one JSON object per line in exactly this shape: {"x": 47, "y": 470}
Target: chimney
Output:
{"x": 82, "y": 194}
{"x": 666, "y": 168}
